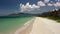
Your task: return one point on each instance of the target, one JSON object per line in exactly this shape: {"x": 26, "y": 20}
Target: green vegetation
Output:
{"x": 54, "y": 15}
{"x": 54, "y": 18}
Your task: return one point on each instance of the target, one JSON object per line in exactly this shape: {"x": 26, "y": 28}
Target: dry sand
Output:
{"x": 45, "y": 26}
{"x": 42, "y": 26}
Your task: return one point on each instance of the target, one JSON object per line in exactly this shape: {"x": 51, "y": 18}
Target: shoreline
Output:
{"x": 25, "y": 28}
{"x": 40, "y": 26}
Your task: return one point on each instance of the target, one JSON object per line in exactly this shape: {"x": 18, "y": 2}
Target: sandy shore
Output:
{"x": 26, "y": 28}
{"x": 41, "y": 26}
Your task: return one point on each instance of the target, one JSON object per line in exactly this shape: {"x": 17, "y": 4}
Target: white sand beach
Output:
{"x": 41, "y": 26}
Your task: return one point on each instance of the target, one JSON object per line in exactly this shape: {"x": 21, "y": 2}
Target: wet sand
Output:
{"x": 26, "y": 28}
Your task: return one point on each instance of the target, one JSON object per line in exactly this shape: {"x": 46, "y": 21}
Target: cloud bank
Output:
{"x": 29, "y": 7}
{"x": 57, "y": 4}
{"x": 32, "y": 7}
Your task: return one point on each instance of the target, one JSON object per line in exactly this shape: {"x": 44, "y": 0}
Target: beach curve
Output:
{"x": 42, "y": 26}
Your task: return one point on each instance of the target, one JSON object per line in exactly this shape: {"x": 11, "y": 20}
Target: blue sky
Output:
{"x": 32, "y": 1}
{"x": 13, "y": 6}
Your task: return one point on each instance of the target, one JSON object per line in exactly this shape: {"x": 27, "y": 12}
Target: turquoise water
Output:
{"x": 11, "y": 24}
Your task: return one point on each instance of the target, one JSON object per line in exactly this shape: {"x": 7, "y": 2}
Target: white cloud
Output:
{"x": 28, "y": 7}
{"x": 46, "y": 1}
{"x": 57, "y": 4}
{"x": 55, "y": 9}
{"x": 49, "y": 4}
{"x": 57, "y": 0}
{"x": 40, "y": 3}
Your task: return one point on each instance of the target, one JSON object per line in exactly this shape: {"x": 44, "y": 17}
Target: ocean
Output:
{"x": 11, "y": 24}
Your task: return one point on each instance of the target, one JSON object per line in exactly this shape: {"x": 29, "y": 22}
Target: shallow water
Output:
{"x": 11, "y": 24}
